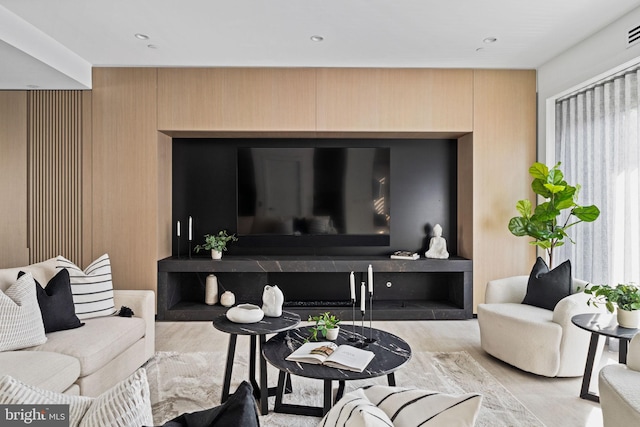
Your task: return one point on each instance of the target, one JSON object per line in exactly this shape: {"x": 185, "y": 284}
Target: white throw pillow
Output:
{"x": 20, "y": 318}
{"x": 408, "y": 407}
{"x": 355, "y": 410}
{"x": 403, "y": 407}
{"x": 92, "y": 288}
{"x": 127, "y": 404}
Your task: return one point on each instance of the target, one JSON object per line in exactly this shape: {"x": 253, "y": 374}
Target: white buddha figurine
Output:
{"x": 437, "y": 245}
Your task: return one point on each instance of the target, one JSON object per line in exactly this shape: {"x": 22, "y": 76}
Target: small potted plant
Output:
{"x": 624, "y": 296}
{"x": 216, "y": 243}
{"x": 326, "y": 325}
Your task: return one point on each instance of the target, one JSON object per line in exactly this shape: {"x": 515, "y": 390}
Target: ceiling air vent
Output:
{"x": 633, "y": 36}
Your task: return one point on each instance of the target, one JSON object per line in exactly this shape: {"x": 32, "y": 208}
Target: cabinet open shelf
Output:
{"x": 423, "y": 289}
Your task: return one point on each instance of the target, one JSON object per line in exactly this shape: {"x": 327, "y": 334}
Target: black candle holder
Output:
{"x": 363, "y": 343}
{"x": 353, "y": 338}
{"x": 370, "y": 339}
{"x": 178, "y": 238}
{"x": 189, "y": 249}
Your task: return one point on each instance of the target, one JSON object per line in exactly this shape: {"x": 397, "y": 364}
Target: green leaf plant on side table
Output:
{"x": 543, "y": 223}
{"x": 626, "y": 297}
{"x": 216, "y": 243}
{"x": 326, "y": 325}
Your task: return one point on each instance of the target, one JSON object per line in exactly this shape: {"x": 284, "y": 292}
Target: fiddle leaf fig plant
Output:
{"x": 543, "y": 223}
{"x": 217, "y": 242}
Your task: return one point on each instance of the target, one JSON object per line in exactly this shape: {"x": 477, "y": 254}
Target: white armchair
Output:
{"x": 620, "y": 389}
{"x": 534, "y": 339}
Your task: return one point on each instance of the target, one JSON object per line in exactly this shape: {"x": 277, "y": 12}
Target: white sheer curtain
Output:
{"x": 597, "y": 141}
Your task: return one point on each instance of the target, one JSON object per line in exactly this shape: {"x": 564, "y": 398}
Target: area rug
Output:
{"x": 187, "y": 382}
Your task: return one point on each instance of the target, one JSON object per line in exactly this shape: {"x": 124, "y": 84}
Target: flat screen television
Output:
{"x": 313, "y": 196}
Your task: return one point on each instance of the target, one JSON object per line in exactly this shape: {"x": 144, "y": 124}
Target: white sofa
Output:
{"x": 90, "y": 359}
{"x": 534, "y": 339}
{"x": 619, "y": 387}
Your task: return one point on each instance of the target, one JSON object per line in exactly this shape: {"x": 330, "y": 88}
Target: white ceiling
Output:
{"x": 54, "y": 44}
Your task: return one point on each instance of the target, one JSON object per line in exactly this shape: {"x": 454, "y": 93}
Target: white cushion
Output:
{"x": 42, "y": 369}
{"x": 403, "y": 407}
{"x": 92, "y": 288}
{"x": 20, "y": 318}
{"x": 99, "y": 341}
{"x": 127, "y": 404}
{"x": 42, "y": 272}
{"x": 355, "y": 410}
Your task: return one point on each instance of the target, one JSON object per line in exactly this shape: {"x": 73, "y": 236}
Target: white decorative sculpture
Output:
{"x": 245, "y": 313}
{"x": 437, "y": 245}
{"x": 272, "y": 300}
{"x": 211, "y": 290}
{"x": 227, "y": 299}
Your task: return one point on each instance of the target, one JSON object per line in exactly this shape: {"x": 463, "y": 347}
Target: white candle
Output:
{"x": 178, "y": 228}
{"x": 190, "y": 229}
{"x": 352, "y": 286}
{"x": 370, "y": 276}
{"x": 362, "y": 297}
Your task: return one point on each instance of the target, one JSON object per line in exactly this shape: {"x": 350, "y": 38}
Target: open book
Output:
{"x": 330, "y": 354}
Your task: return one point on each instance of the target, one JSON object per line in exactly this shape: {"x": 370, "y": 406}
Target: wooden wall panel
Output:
{"x": 246, "y": 99}
{"x": 465, "y": 196}
{"x": 407, "y": 100}
{"x": 125, "y": 174}
{"x": 504, "y": 147}
{"x": 55, "y": 174}
{"x": 13, "y": 179}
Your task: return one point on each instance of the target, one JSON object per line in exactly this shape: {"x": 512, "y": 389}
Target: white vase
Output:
{"x": 216, "y": 254}
{"x": 332, "y": 334}
{"x": 272, "y": 300}
{"x": 211, "y": 290}
{"x": 245, "y": 313}
{"x": 227, "y": 299}
{"x": 629, "y": 319}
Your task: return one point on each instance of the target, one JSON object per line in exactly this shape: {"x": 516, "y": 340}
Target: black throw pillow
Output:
{"x": 546, "y": 288}
{"x": 238, "y": 410}
{"x": 56, "y": 303}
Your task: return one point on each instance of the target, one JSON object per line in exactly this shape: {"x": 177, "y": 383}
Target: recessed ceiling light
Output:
{"x": 152, "y": 46}
{"x": 490, "y": 40}
{"x": 480, "y": 49}
{"x": 141, "y": 36}
{"x": 317, "y": 38}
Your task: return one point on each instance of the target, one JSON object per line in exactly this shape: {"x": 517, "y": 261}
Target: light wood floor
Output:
{"x": 554, "y": 401}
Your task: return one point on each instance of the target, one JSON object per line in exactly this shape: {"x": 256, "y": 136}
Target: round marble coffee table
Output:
{"x": 268, "y": 325}
{"x": 391, "y": 352}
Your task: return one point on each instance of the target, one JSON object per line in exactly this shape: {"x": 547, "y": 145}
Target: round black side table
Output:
{"x": 268, "y": 325}
{"x": 600, "y": 324}
{"x": 391, "y": 352}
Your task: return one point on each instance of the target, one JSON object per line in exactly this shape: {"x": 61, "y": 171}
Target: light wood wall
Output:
{"x": 126, "y": 166}
{"x": 504, "y": 135}
{"x": 13, "y": 179}
{"x": 395, "y": 100}
{"x": 55, "y": 181}
{"x": 127, "y": 209}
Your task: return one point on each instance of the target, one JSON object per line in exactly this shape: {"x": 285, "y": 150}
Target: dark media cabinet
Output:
{"x": 423, "y": 289}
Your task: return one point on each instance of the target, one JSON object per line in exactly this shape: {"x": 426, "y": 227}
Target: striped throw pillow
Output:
{"x": 404, "y": 407}
{"x": 20, "y": 318}
{"x": 127, "y": 404}
{"x": 355, "y": 410}
{"x": 92, "y": 288}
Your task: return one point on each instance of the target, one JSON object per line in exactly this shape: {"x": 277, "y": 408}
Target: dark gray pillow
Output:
{"x": 546, "y": 288}
{"x": 56, "y": 303}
